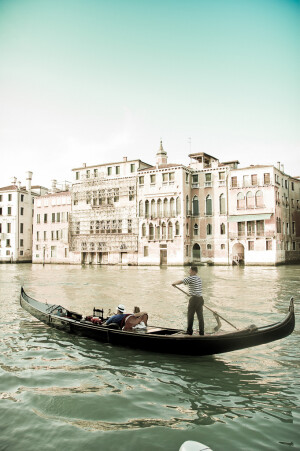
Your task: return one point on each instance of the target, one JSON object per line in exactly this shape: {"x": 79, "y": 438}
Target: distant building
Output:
{"x": 264, "y": 216}
{"x": 16, "y": 212}
{"x": 51, "y": 227}
{"x": 104, "y": 221}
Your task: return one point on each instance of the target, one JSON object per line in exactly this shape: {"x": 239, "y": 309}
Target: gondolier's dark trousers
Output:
{"x": 195, "y": 306}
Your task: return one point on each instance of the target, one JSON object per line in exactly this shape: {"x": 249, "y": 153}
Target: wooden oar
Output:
{"x": 215, "y": 313}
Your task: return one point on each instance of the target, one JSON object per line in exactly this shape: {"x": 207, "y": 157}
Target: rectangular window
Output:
{"x": 66, "y": 252}
{"x": 88, "y": 174}
{"x": 294, "y": 246}
{"x": 117, "y": 170}
{"x": 22, "y": 197}
{"x": 1, "y": 211}
{"x": 186, "y": 177}
{"x": 250, "y": 245}
{"x": 141, "y": 180}
{"x": 165, "y": 178}
{"x": 222, "y": 176}
{"x": 9, "y": 198}
{"x": 37, "y": 236}
{"x": 129, "y": 225}
{"x": 53, "y": 217}
{"x": 250, "y": 228}
{"x": 293, "y": 228}
{"x": 132, "y": 167}
{"x": 77, "y": 175}
{"x": 292, "y": 186}
{"x": 234, "y": 182}
{"x": 254, "y": 179}
{"x": 8, "y": 227}
{"x": 21, "y": 243}
{"x": 246, "y": 180}
{"x": 0, "y": 197}
{"x": 38, "y": 219}
{"x": 195, "y": 178}
{"x": 45, "y": 235}
{"x": 95, "y": 172}
{"x": 21, "y": 227}
{"x": 267, "y": 178}
{"x": 57, "y": 217}
{"x": 9, "y": 211}
{"x": 22, "y": 211}
{"x": 53, "y": 251}
{"x": 45, "y": 218}
{"x": 8, "y": 243}
{"x": 286, "y": 184}
{"x": 222, "y": 247}
{"x": 152, "y": 179}
{"x": 171, "y": 177}
{"x": 146, "y": 251}
{"x": 260, "y": 228}
{"x": 268, "y": 245}
{"x": 109, "y": 170}
{"x": 131, "y": 193}
{"x": 187, "y": 250}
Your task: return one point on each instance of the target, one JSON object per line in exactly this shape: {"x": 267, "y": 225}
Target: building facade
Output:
{"x": 16, "y": 213}
{"x": 51, "y": 228}
{"x": 104, "y": 220}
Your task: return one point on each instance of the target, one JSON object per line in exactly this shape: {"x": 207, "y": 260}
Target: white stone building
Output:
{"x": 51, "y": 227}
{"x": 264, "y": 216}
{"x": 16, "y": 213}
{"x": 104, "y": 221}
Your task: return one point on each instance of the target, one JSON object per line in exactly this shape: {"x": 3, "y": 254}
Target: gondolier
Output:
{"x": 196, "y": 300}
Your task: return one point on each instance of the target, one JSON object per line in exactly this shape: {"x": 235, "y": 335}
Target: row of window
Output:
{"x": 57, "y": 200}
{"x": 9, "y": 211}
{"x": 8, "y": 227}
{"x": 106, "y": 226}
{"x": 111, "y": 170}
{"x": 54, "y": 234}
{"x": 55, "y": 217}
{"x": 284, "y": 228}
{"x": 251, "y": 200}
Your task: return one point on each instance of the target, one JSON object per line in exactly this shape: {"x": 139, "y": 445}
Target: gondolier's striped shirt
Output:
{"x": 195, "y": 285}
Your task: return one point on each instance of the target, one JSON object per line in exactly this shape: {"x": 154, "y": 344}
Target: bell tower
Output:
{"x": 161, "y": 156}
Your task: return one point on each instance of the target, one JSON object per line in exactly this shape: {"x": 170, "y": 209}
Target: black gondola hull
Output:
{"x": 164, "y": 340}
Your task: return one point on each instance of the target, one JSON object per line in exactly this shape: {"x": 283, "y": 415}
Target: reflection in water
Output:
{"x": 49, "y": 378}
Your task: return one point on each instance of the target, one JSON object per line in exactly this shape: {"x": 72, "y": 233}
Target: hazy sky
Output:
{"x": 95, "y": 80}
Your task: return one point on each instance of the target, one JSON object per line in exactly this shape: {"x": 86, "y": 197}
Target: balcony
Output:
{"x": 195, "y": 185}
{"x": 246, "y": 235}
{"x": 207, "y": 184}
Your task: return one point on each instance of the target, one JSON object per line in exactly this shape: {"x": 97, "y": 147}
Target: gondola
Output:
{"x": 160, "y": 339}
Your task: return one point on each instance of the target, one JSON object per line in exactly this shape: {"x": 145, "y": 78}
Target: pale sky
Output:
{"x": 91, "y": 81}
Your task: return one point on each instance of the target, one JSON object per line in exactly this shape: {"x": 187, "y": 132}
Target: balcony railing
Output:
{"x": 245, "y": 235}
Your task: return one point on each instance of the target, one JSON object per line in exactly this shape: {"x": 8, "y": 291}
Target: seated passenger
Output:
{"x": 117, "y": 319}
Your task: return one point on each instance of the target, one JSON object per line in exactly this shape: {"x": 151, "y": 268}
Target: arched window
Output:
{"x": 157, "y": 233}
{"x": 196, "y": 252}
{"x": 208, "y": 205}
{"x": 240, "y": 200}
{"x": 164, "y": 231}
{"x": 177, "y": 228}
{"x": 187, "y": 206}
{"x": 195, "y": 206}
{"x": 147, "y": 209}
{"x": 159, "y": 208}
{"x": 172, "y": 207}
{"x": 170, "y": 231}
{"x": 208, "y": 229}
{"x": 178, "y": 206}
{"x": 165, "y": 208}
{"x": 141, "y": 208}
{"x": 144, "y": 229}
{"x": 187, "y": 229}
{"x": 259, "y": 199}
{"x": 151, "y": 232}
{"x": 222, "y": 229}
{"x": 249, "y": 200}
{"x": 222, "y": 204}
{"x": 153, "y": 212}
{"x": 196, "y": 229}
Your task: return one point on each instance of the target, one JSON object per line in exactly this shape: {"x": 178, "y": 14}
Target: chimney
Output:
{"x": 14, "y": 180}
{"x": 278, "y": 165}
{"x": 282, "y": 167}
{"x": 124, "y": 159}
{"x": 84, "y": 165}
{"x": 54, "y": 182}
{"x": 28, "y": 180}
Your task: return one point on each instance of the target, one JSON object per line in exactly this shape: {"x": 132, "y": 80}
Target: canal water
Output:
{"x": 62, "y": 392}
